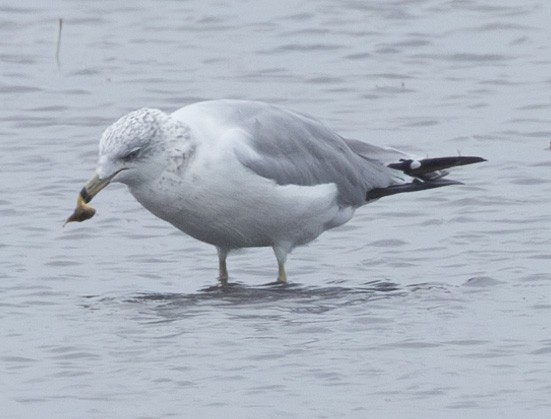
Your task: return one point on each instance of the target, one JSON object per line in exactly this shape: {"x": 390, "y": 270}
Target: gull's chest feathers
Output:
{"x": 206, "y": 200}
{"x": 230, "y": 206}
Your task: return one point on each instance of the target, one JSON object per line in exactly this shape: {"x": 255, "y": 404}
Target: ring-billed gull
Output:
{"x": 239, "y": 174}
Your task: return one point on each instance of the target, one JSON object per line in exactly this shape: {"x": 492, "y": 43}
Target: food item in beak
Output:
{"x": 82, "y": 212}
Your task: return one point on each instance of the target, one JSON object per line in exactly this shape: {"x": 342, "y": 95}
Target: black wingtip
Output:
{"x": 463, "y": 160}
{"x": 414, "y": 186}
{"x": 418, "y": 168}
{"x": 428, "y": 174}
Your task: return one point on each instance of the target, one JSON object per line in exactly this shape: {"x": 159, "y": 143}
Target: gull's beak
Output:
{"x": 96, "y": 184}
{"x": 93, "y": 186}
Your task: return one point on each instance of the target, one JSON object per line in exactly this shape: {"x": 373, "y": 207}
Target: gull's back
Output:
{"x": 288, "y": 147}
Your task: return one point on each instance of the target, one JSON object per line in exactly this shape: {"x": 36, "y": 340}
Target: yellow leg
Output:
{"x": 223, "y": 272}
{"x": 281, "y": 275}
{"x": 281, "y": 255}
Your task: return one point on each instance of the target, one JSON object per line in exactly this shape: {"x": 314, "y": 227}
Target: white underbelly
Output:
{"x": 238, "y": 208}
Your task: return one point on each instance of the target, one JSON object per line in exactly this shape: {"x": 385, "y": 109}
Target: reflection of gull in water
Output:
{"x": 247, "y": 174}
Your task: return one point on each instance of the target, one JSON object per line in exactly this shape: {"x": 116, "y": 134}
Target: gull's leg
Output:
{"x": 281, "y": 275}
{"x": 281, "y": 256}
{"x": 222, "y": 268}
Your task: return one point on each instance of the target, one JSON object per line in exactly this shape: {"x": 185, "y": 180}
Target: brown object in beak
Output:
{"x": 82, "y": 212}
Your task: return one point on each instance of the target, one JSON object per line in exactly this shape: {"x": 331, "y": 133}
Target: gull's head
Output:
{"x": 135, "y": 149}
{"x": 128, "y": 148}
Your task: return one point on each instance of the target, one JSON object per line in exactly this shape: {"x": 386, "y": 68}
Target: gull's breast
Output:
{"x": 230, "y": 206}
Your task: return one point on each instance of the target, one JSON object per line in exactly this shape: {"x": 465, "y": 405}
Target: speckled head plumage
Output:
{"x": 139, "y": 144}
{"x": 136, "y": 129}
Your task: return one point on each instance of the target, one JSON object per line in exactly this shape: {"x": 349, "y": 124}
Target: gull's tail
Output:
{"x": 426, "y": 174}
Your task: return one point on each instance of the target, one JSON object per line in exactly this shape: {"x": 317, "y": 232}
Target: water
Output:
{"x": 434, "y": 304}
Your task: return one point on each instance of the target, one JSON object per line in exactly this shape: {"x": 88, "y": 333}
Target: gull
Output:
{"x": 239, "y": 174}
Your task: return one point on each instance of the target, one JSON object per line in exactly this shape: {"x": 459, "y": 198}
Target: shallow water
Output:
{"x": 434, "y": 304}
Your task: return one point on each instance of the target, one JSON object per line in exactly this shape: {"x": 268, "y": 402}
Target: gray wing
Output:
{"x": 292, "y": 148}
{"x": 385, "y": 155}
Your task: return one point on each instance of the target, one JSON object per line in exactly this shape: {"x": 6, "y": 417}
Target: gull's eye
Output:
{"x": 132, "y": 155}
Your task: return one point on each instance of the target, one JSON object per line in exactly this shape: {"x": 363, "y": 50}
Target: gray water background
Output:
{"x": 432, "y": 305}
